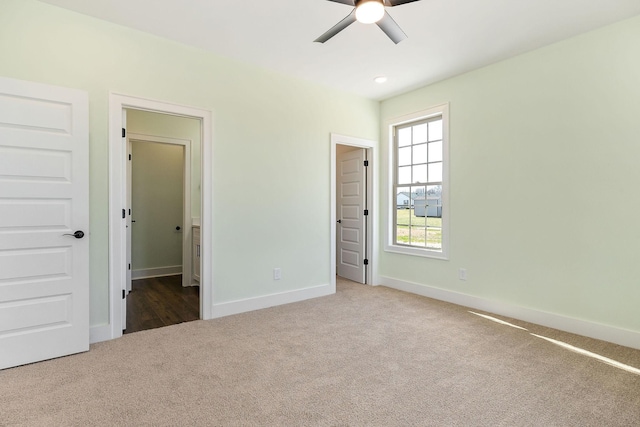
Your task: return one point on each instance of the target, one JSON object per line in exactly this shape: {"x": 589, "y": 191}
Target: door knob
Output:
{"x": 78, "y": 234}
{"x": 178, "y": 228}
{"x": 339, "y": 221}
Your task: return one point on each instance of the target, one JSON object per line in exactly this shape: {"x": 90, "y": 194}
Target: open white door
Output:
{"x": 351, "y": 231}
{"x": 44, "y": 222}
{"x": 128, "y": 223}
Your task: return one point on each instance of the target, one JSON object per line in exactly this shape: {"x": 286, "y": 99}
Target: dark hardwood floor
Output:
{"x": 161, "y": 301}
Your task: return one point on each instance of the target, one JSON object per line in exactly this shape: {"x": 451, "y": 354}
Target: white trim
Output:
{"x": 157, "y": 138}
{"x": 585, "y": 328}
{"x": 117, "y": 192}
{"x": 372, "y": 204}
{"x": 415, "y": 251}
{"x": 147, "y": 273}
{"x": 186, "y": 197}
{"x": 389, "y": 246}
{"x": 99, "y": 333}
{"x": 272, "y": 300}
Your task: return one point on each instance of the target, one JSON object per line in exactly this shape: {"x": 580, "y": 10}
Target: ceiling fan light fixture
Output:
{"x": 369, "y": 11}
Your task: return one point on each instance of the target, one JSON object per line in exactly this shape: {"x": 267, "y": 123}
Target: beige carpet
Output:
{"x": 363, "y": 357}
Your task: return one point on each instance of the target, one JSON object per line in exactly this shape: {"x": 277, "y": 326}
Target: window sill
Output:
{"x": 425, "y": 253}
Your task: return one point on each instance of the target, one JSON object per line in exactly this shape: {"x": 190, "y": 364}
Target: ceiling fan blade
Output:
{"x": 349, "y": 2}
{"x": 391, "y": 28}
{"x": 392, "y": 3}
{"x": 350, "y": 19}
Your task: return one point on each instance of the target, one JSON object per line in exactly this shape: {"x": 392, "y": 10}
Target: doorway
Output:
{"x": 162, "y": 191}
{"x": 352, "y": 213}
{"x": 120, "y": 215}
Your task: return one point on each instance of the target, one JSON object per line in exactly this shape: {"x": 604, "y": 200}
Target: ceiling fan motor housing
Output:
{"x": 358, "y": 2}
{"x": 379, "y": 16}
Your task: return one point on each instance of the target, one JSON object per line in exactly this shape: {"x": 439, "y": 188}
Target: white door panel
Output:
{"x": 351, "y": 205}
{"x": 34, "y": 214}
{"x": 350, "y": 235}
{"x": 28, "y": 110}
{"x": 44, "y": 274}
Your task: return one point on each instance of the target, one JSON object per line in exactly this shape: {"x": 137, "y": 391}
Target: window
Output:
{"x": 419, "y": 180}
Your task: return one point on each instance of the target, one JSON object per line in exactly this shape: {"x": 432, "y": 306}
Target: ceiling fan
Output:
{"x": 368, "y": 12}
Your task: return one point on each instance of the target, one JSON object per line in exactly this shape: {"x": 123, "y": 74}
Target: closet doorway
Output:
{"x": 163, "y": 189}
{"x": 119, "y": 216}
{"x": 353, "y": 229}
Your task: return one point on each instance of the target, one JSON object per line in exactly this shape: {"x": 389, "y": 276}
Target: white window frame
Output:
{"x": 390, "y": 245}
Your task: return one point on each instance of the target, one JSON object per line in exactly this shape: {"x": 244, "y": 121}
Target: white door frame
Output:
{"x": 372, "y": 191}
{"x": 118, "y": 202}
{"x": 187, "y": 220}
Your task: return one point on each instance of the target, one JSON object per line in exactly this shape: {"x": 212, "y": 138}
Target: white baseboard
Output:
{"x": 104, "y": 333}
{"x": 146, "y": 273}
{"x": 266, "y": 301}
{"x": 585, "y": 328}
{"x": 100, "y": 333}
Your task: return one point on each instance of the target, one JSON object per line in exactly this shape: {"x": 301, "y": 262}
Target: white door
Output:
{"x": 351, "y": 231}
{"x": 128, "y": 223}
{"x": 44, "y": 222}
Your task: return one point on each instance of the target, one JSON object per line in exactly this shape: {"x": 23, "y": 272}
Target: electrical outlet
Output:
{"x": 277, "y": 274}
{"x": 462, "y": 273}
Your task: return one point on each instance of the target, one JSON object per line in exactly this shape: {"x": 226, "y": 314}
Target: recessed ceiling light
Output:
{"x": 380, "y": 79}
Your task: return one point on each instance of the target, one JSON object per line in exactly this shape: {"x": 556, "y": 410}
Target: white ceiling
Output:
{"x": 446, "y": 37}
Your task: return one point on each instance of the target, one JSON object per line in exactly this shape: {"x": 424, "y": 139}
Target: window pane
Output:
{"x": 434, "y": 190}
{"x": 435, "y": 151}
{"x": 418, "y": 194}
{"x": 417, "y": 214}
{"x": 404, "y": 175}
{"x": 435, "y": 172}
{"x": 418, "y": 236}
{"x": 419, "y": 174}
{"x": 419, "y": 153}
{"x": 434, "y": 206}
{"x": 434, "y": 238}
{"x": 435, "y": 130}
{"x": 418, "y": 191}
{"x": 402, "y": 234}
{"x": 404, "y": 137}
{"x": 434, "y": 221}
{"x": 403, "y": 201}
{"x": 420, "y": 133}
{"x": 404, "y": 156}
{"x": 434, "y": 212}
{"x": 403, "y": 216}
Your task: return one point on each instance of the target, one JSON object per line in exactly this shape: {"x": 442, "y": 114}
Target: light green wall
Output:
{"x": 157, "y": 201}
{"x": 544, "y": 151}
{"x": 270, "y": 141}
{"x": 545, "y": 176}
{"x": 165, "y": 125}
